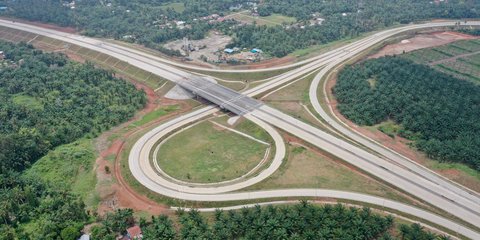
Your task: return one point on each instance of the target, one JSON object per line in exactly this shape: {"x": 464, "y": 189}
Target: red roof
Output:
{"x": 135, "y": 232}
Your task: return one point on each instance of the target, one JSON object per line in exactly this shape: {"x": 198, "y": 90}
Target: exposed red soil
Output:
{"x": 43, "y": 25}
{"x": 422, "y": 41}
{"x": 120, "y": 194}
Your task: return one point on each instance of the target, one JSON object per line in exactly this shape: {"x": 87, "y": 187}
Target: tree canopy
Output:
{"x": 435, "y": 110}
{"x": 47, "y": 100}
{"x": 153, "y": 23}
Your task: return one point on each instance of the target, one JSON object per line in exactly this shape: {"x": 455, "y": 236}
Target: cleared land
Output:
{"x": 177, "y": 6}
{"x": 460, "y": 58}
{"x": 206, "y": 153}
{"x": 272, "y": 20}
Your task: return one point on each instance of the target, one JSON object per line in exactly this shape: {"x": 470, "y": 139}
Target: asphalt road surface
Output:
{"x": 390, "y": 167}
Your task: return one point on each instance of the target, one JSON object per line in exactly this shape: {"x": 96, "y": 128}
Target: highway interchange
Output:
{"x": 381, "y": 162}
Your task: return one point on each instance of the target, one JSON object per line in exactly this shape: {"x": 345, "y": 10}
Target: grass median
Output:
{"x": 208, "y": 153}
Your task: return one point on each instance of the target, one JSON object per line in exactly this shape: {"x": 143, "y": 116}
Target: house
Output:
{"x": 228, "y": 50}
{"x": 84, "y": 237}
{"x": 180, "y": 24}
{"x": 134, "y": 233}
{"x": 2, "y": 55}
{"x": 256, "y": 50}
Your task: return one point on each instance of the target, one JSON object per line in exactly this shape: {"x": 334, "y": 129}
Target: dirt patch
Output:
{"x": 119, "y": 194}
{"x": 206, "y": 47}
{"x": 274, "y": 62}
{"x": 421, "y": 41}
{"x": 43, "y": 25}
{"x": 113, "y": 190}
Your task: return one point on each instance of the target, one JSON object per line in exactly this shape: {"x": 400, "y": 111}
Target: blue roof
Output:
{"x": 228, "y": 50}
{"x": 255, "y": 50}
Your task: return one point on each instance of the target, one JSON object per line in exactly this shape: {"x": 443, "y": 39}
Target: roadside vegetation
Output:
{"x": 300, "y": 221}
{"x": 283, "y": 25}
{"x": 47, "y": 101}
{"x": 473, "y": 31}
{"x": 438, "y": 112}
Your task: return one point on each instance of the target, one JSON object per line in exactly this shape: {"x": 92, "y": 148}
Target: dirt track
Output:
{"x": 421, "y": 41}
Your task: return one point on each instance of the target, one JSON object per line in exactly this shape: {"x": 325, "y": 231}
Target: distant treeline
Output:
{"x": 144, "y": 21}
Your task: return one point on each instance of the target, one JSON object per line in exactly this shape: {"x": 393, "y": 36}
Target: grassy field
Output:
{"x": 147, "y": 118}
{"x": 177, "y": 6}
{"x": 27, "y": 102}
{"x": 277, "y": 19}
{"x": 249, "y": 76}
{"x": 155, "y": 114}
{"x": 70, "y": 166}
{"x": 206, "y": 153}
{"x": 305, "y": 168}
{"x": 460, "y": 59}
{"x": 272, "y": 20}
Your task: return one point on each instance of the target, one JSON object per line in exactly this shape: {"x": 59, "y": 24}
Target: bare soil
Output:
{"x": 113, "y": 190}
{"x": 421, "y": 41}
{"x": 273, "y": 62}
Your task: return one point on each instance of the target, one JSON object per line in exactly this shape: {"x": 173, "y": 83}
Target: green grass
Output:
{"x": 460, "y": 167}
{"x": 177, "y": 6}
{"x": 249, "y": 76}
{"x": 147, "y": 118}
{"x": 466, "y": 68}
{"x": 155, "y": 114}
{"x": 252, "y": 129}
{"x": 205, "y": 153}
{"x": 27, "y": 101}
{"x": 71, "y": 166}
{"x": 304, "y": 168}
{"x": 272, "y": 20}
{"x": 278, "y": 19}
{"x": 389, "y": 127}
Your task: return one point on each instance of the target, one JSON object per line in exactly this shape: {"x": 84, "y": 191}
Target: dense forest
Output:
{"x": 46, "y": 101}
{"x": 344, "y": 18}
{"x": 437, "y": 111}
{"x": 300, "y": 221}
{"x": 147, "y": 22}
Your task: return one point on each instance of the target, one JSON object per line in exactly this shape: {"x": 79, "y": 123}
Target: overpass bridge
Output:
{"x": 219, "y": 95}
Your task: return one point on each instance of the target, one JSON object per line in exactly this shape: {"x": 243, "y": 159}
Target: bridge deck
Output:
{"x": 222, "y": 96}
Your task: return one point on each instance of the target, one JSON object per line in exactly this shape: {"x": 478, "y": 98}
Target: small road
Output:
{"x": 453, "y": 199}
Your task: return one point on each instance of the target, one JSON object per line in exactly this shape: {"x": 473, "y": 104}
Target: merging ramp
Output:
{"x": 450, "y": 198}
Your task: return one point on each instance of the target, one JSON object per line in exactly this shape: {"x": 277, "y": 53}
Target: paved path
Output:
{"x": 451, "y": 198}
